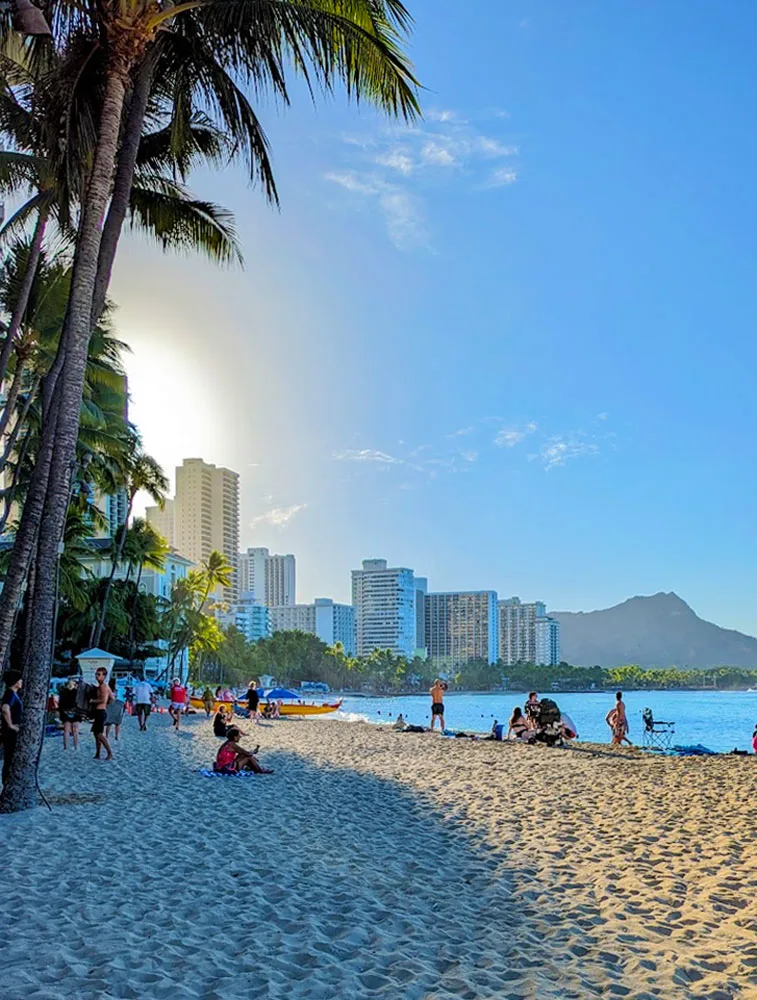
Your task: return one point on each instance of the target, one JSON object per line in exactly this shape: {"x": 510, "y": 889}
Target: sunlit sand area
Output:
{"x": 380, "y": 864}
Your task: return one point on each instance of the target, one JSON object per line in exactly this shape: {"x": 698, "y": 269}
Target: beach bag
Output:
{"x": 549, "y": 713}
{"x": 84, "y": 695}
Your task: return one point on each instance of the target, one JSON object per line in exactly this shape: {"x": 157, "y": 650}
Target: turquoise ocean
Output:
{"x": 721, "y": 720}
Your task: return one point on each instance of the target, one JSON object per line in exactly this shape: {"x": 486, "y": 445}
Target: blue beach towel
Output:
{"x": 207, "y": 772}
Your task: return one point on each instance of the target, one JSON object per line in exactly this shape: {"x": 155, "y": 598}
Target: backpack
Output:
{"x": 84, "y": 695}
{"x": 549, "y": 713}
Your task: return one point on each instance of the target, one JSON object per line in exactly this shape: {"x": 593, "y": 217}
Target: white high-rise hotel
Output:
{"x": 527, "y": 634}
{"x": 331, "y": 622}
{"x": 384, "y": 599}
{"x": 272, "y": 579}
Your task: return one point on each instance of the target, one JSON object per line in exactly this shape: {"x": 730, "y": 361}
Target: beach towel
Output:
{"x": 209, "y": 773}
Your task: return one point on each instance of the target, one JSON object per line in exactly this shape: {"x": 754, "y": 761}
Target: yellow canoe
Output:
{"x": 287, "y": 708}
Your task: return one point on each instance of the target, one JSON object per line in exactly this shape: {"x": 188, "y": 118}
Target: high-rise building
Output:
{"x": 421, "y": 591}
{"x": 527, "y": 634}
{"x": 461, "y": 627}
{"x": 384, "y": 602}
{"x": 280, "y": 584}
{"x": 249, "y": 615}
{"x": 331, "y": 622}
{"x": 273, "y": 579}
{"x": 207, "y": 516}
{"x": 164, "y": 520}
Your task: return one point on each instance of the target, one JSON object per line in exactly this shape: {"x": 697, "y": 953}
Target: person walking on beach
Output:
{"x": 208, "y": 702}
{"x": 437, "y": 704}
{"x": 142, "y": 703}
{"x": 253, "y": 700}
{"x": 178, "y": 696}
{"x": 68, "y": 714}
{"x": 10, "y": 717}
{"x": 617, "y": 720}
{"x": 103, "y": 697}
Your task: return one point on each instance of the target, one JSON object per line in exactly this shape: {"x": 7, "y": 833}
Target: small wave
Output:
{"x": 350, "y": 717}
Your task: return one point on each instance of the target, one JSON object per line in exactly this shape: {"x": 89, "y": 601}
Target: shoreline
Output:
{"x": 381, "y": 864}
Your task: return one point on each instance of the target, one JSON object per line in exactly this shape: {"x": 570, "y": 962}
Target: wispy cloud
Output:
{"x": 367, "y": 455}
{"x": 561, "y": 449}
{"x": 508, "y": 437}
{"x": 278, "y": 517}
{"x": 462, "y": 432}
{"x": 469, "y": 456}
{"x": 395, "y": 168}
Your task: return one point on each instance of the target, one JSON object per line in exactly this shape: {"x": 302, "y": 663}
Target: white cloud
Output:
{"x": 462, "y": 432}
{"x": 278, "y": 517}
{"x": 397, "y": 159}
{"x": 469, "y": 456}
{"x": 350, "y": 181}
{"x": 560, "y": 449}
{"x": 445, "y": 116}
{"x": 367, "y": 455}
{"x": 508, "y": 437}
{"x": 438, "y": 155}
{"x": 402, "y": 211}
{"x": 502, "y": 177}
{"x": 493, "y": 147}
{"x": 602, "y": 416}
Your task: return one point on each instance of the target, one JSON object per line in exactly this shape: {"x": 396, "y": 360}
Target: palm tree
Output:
{"x": 216, "y": 572}
{"x": 141, "y": 472}
{"x": 144, "y": 548}
{"x": 355, "y": 42}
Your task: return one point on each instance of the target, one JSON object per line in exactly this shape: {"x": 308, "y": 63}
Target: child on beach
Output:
{"x": 233, "y": 758}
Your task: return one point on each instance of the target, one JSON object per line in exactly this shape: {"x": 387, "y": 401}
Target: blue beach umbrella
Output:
{"x": 282, "y": 693}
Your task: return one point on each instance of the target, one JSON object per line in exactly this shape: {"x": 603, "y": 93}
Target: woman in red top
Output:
{"x": 232, "y": 757}
{"x": 178, "y": 696}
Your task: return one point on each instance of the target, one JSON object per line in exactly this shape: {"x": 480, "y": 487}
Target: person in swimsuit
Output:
{"x": 232, "y": 757}
{"x": 617, "y": 720}
{"x": 103, "y": 697}
{"x": 68, "y": 714}
{"x": 518, "y": 727}
{"x": 437, "y": 704}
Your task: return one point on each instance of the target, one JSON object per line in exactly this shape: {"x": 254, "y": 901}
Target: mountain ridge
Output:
{"x": 657, "y": 630}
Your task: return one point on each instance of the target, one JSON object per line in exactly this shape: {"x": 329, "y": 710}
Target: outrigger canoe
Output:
{"x": 286, "y": 708}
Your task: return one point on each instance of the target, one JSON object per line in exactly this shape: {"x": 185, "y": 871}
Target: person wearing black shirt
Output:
{"x": 11, "y": 711}
{"x": 67, "y": 712}
{"x": 253, "y": 700}
{"x": 221, "y": 723}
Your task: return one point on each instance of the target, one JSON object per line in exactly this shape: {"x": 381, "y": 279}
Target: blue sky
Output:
{"x": 512, "y": 347}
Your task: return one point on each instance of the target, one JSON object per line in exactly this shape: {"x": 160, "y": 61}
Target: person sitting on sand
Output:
{"x": 518, "y": 727}
{"x": 233, "y": 758}
{"x": 617, "y": 720}
{"x": 400, "y": 723}
{"x": 221, "y": 722}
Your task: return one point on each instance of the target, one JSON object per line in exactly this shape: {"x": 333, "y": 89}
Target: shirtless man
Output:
{"x": 103, "y": 696}
{"x": 617, "y": 720}
{"x": 437, "y": 704}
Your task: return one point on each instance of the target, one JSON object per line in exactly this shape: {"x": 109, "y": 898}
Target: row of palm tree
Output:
{"x": 90, "y": 92}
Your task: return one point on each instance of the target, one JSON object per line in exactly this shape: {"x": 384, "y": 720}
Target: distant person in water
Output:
{"x": 617, "y": 720}
{"x": 437, "y": 704}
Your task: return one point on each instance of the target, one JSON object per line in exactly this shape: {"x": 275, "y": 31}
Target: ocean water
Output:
{"x": 721, "y": 720}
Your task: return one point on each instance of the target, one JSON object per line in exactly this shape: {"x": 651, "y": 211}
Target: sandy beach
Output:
{"x": 378, "y": 864}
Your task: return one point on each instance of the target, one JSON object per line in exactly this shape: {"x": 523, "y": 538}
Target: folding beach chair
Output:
{"x": 657, "y": 735}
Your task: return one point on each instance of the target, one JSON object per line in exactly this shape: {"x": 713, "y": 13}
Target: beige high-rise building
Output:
{"x": 164, "y": 521}
{"x": 206, "y": 516}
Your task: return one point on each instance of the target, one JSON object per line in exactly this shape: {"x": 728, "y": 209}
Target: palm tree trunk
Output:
{"x": 20, "y": 791}
{"x": 119, "y": 202}
{"x": 10, "y": 444}
{"x": 132, "y": 623}
{"x": 10, "y": 401}
{"x": 23, "y": 295}
{"x": 113, "y": 569}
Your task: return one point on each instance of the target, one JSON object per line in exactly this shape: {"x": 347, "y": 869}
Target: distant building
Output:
{"x": 206, "y": 516}
{"x": 249, "y": 615}
{"x": 331, "y": 622}
{"x": 272, "y": 579}
{"x": 384, "y": 599}
{"x": 421, "y": 590}
{"x": 461, "y": 627}
{"x": 527, "y": 634}
{"x": 163, "y": 521}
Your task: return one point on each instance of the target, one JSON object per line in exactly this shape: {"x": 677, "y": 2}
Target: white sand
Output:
{"x": 374, "y": 864}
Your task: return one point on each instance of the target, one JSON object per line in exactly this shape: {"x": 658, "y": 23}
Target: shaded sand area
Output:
{"x": 375, "y": 864}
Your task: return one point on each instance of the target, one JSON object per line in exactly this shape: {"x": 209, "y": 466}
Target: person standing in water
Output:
{"x": 437, "y": 704}
{"x": 617, "y": 720}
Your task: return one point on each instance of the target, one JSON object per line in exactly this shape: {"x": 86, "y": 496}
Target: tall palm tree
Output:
{"x": 354, "y": 42}
{"x": 145, "y": 547}
{"x": 141, "y": 472}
